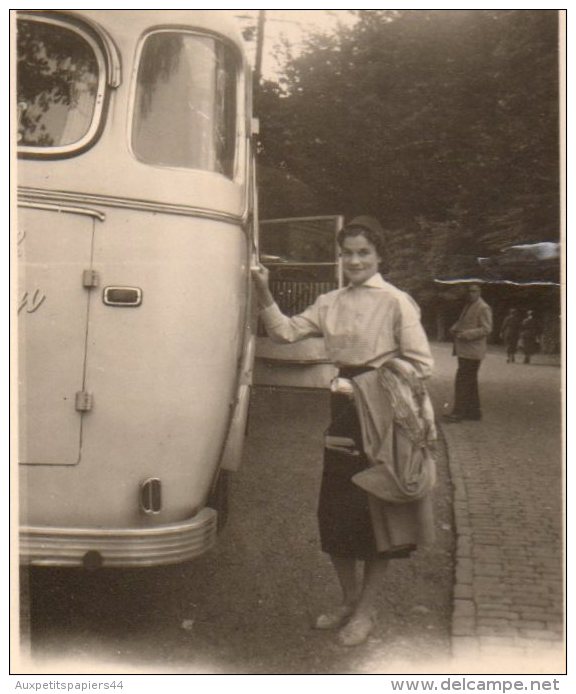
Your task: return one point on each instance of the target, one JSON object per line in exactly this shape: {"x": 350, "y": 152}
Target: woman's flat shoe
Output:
{"x": 356, "y": 631}
{"x": 335, "y": 618}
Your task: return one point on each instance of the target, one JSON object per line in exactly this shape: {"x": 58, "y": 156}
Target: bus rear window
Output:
{"x": 185, "y": 104}
{"x": 60, "y": 86}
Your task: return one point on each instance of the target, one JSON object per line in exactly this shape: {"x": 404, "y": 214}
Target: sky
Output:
{"x": 290, "y": 24}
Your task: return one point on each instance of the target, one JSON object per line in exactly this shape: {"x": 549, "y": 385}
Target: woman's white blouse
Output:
{"x": 362, "y": 325}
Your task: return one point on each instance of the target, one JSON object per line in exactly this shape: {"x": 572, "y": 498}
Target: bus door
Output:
{"x": 55, "y": 255}
{"x": 302, "y": 257}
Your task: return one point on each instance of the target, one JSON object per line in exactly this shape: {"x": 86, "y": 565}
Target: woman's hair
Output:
{"x": 370, "y": 228}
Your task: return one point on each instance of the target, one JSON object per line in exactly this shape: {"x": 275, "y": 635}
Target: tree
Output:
{"x": 444, "y": 124}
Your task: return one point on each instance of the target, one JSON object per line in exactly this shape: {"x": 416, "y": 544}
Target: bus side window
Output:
{"x": 61, "y": 78}
{"x": 188, "y": 81}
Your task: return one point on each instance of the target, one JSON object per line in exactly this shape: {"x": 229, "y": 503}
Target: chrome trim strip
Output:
{"x": 37, "y": 194}
{"x": 120, "y": 547}
{"x": 61, "y": 208}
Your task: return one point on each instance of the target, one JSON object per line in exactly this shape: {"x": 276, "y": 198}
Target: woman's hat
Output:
{"x": 366, "y": 222}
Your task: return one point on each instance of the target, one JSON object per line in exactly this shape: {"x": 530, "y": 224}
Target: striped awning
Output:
{"x": 534, "y": 264}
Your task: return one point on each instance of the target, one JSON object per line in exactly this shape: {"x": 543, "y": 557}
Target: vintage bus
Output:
{"x": 136, "y": 229}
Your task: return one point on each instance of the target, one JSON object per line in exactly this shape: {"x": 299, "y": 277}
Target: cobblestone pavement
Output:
{"x": 507, "y": 476}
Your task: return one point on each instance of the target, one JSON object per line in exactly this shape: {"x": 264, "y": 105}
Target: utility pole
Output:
{"x": 259, "y": 46}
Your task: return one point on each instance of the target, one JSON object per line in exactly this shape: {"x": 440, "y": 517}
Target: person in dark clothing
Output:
{"x": 529, "y": 336}
{"x": 510, "y": 334}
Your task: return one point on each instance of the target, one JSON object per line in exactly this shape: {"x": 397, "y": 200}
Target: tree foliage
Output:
{"x": 52, "y": 62}
{"x": 444, "y": 124}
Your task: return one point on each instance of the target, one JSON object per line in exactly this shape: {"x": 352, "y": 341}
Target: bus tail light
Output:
{"x": 151, "y": 495}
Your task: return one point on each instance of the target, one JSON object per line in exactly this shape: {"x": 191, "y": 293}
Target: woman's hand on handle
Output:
{"x": 261, "y": 277}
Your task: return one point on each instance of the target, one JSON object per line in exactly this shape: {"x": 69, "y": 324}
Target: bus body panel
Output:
{"x": 133, "y": 185}
{"x": 162, "y": 375}
{"x": 156, "y": 391}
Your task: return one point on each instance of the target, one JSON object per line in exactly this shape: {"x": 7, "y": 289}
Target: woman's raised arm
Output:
{"x": 281, "y": 328}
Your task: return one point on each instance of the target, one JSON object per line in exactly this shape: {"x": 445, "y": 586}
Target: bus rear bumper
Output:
{"x": 119, "y": 547}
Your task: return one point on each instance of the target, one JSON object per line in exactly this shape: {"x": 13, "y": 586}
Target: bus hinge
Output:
{"x": 84, "y": 401}
{"x": 90, "y": 279}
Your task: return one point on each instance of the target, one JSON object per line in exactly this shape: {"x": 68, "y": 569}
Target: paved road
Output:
{"x": 247, "y": 606}
{"x": 507, "y": 475}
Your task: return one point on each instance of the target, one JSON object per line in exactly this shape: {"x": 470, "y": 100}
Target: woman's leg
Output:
{"x": 374, "y": 571}
{"x": 362, "y": 621}
{"x": 346, "y": 571}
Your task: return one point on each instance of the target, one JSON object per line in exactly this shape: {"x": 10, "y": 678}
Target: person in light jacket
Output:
{"x": 470, "y": 332}
{"x": 366, "y": 326}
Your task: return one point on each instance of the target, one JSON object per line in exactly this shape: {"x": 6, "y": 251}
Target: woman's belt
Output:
{"x": 351, "y": 371}
{"x": 342, "y": 384}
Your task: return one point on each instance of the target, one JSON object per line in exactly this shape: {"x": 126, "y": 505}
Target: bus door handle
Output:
{"x": 122, "y": 296}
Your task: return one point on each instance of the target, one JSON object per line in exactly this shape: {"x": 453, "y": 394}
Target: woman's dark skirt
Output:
{"x": 344, "y": 518}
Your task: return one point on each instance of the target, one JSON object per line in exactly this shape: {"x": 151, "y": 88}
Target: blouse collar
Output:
{"x": 376, "y": 282}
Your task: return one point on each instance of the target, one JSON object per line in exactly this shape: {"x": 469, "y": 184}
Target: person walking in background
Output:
{"x": 510, "y": 333}
{"x": 470, "y": 332}
{"x": 529, "y": 337}
{"x": 373, "y": 334}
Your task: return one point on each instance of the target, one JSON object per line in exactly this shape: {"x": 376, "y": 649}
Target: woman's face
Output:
{"x": 359, "y": 259}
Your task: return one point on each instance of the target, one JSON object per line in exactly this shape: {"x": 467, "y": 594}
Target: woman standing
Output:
{"x": 373, "y": 334}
